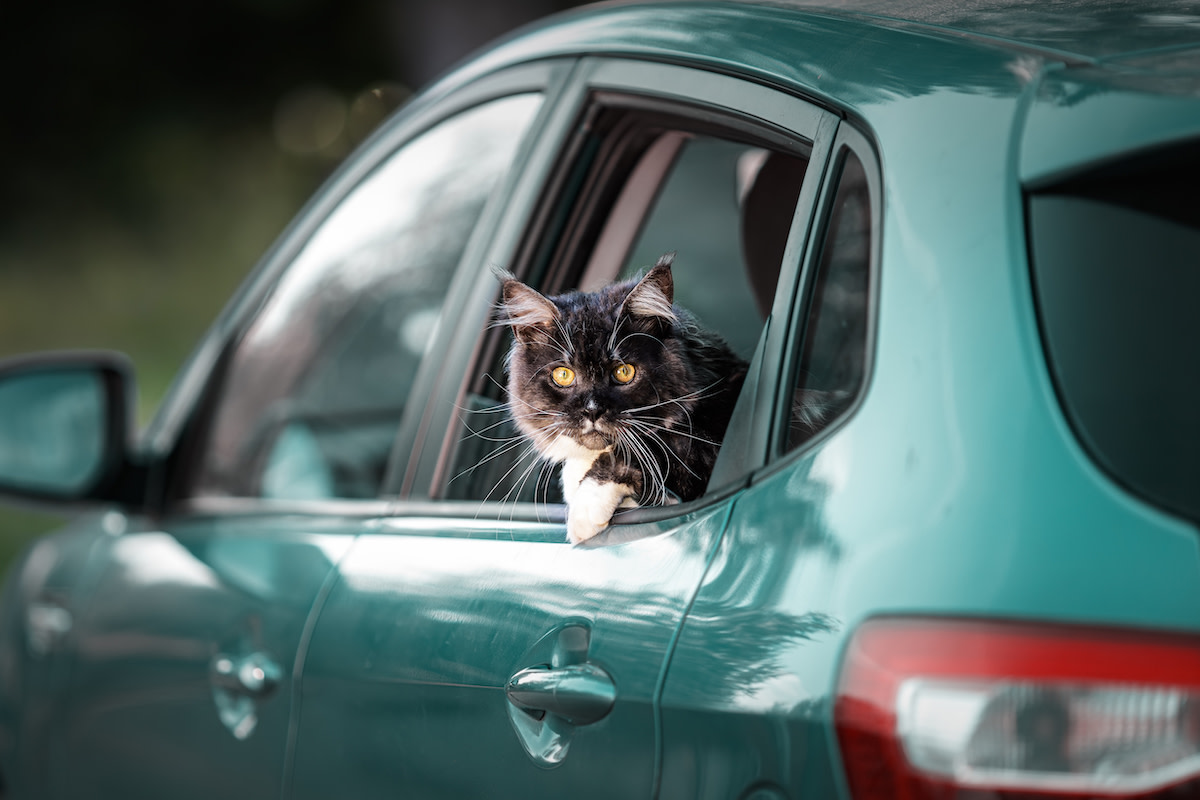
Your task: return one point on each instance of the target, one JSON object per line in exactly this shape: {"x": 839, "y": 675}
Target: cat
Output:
{"x": 623, "y": 388}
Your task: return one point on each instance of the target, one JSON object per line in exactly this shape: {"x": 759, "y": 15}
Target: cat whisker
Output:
{"x": 667, "y": 451}
{"x": 509, "y": 446}
{"x": 675, "y": 432}
{"x": 568, "y": 349}
{"x": 537, "y": 411}
{"x": 479, "y": 434}
{"x": 518, "y": 486}
{"x": 531, "y": 450}
{"x": 496, "y": 383}
{"x": 698, "y": 394}
{"x": 543, "y": 484}
{"x": 653, "y": 476}
{"x": 626, "y": 337}
{"x": 511, "y": 400}
{"x": 498, "y": 408}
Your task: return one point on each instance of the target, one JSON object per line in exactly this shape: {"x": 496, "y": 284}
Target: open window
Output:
{"x": 642, "y": 178}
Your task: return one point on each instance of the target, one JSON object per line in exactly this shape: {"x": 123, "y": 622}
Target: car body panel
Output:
{"x": 47, "y": 582}
{"x": 383, "y": 704}
{"x": 958, "y": 465}
{"x": 405, "y": 678}
{"x": 1069, "y": 122}
{"x": 163, "y": 607}
{"x": 955, "y": 488}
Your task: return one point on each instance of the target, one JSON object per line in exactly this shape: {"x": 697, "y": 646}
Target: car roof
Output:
{"x": 923, "y": 43}
{"x": 1080, "y": 30}
{"x": 876, "y": 61}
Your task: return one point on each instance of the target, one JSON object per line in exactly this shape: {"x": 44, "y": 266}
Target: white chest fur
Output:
{"x": 590, "y": 503}
{"x": 573, "y": 470}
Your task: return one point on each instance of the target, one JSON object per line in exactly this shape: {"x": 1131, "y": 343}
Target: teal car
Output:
{"x": 950, "y": 545}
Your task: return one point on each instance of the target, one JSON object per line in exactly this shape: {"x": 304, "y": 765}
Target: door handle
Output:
{"x": 239, "y": 682}
{"x": 254, "y": 675}
{"x": 548, "y": 702}
{"x": 47, "y": 623}
{"x": 579, "y": 693}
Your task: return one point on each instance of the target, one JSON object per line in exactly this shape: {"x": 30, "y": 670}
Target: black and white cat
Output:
{"x": 621, "y": 387}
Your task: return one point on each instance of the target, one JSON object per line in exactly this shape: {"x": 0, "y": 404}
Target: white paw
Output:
{"x": 591, "y": 508}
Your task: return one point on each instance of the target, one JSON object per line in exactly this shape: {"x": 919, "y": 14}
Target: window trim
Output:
{"x": 734, "y": 104}
{"x": 178, "y": 433}
{"x": 422, "y": 453}
{"x": 848, "y": 140}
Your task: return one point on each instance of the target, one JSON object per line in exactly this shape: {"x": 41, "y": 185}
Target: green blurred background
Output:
{"x": 152, "y": 152}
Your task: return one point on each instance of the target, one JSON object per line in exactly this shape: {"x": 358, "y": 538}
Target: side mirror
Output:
{"x": 64, "y": 425}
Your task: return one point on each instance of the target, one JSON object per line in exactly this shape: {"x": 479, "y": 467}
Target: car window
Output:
{"x": 709, "y": 212}
{"x": 832, "y": 346}
{"x": 315, "y": 390}
{"x": 723, "y": 204}
{"x": 1114, "y": 254}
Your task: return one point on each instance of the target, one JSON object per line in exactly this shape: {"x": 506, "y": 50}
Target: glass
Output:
{"x": 316, "y": 388}
{"x": 725, "y": 209}
{"x": 53, "y": 428}
{"x": 833, "y": 347}
{"x": 1114, "y": 255}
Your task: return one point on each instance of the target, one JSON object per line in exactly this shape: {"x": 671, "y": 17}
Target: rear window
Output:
{"x": 1116, "y": 267}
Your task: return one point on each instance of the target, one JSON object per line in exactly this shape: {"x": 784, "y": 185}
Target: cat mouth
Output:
{"x": 593, "y": 438}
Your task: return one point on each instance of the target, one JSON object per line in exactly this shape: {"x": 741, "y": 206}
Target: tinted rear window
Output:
{"x": 1116, "y": 265}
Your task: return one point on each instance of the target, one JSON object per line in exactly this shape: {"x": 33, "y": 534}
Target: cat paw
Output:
{"x": 592, "y": 507}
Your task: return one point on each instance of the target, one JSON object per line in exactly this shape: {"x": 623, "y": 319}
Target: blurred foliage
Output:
{"x": 148, "y": 289}
{"x": 19, "y": 527}
{"x": 152, "y": 154}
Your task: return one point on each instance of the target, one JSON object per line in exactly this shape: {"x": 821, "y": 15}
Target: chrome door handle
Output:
{"x": 548, "y": 702}
{"x": 239, "y": 682}
{"x": 47, "y": 623}
{"x": 579, "y": 693}
{"x": 254, "y": 675}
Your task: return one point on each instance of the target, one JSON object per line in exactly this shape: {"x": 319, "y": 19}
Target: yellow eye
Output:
{"x": 624, "y": 373}
{"x": 563, "y": 376}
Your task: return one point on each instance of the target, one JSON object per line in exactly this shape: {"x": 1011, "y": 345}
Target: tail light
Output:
{"x": 971, "y": 709}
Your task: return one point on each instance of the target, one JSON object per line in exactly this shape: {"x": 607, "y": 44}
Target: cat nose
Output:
{"x": 592, "y": 410}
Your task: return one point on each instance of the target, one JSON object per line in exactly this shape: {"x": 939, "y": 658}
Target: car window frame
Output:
{"x": 848, "y": 139}
{"x": 727, "y": 97}
{"x": 173, "y": 441}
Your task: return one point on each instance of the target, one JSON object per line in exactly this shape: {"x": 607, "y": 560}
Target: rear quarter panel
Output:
{"x": 956, "y": 489}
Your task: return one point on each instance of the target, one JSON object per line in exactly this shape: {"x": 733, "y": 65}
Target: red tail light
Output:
{"x": 955, "y": 708}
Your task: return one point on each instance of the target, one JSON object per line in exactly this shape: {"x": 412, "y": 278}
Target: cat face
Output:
{"x": 590, "y": 372}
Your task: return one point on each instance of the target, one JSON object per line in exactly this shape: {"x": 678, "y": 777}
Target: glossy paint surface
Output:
{"x": 147, "y": 710}
{"x": 419, "y": 652}
{"x": 407, "y": 681}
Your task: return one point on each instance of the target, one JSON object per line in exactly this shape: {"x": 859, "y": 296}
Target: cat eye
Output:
{"x": 624, "y": 373}
{"x": 563, "y": 376}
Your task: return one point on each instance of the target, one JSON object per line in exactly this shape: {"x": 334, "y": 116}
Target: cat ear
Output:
{"x": 526, "y": 311}
{"x": 654, "y": 294}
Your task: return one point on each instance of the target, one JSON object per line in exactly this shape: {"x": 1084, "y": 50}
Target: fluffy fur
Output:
{"x": 625, "y": 437}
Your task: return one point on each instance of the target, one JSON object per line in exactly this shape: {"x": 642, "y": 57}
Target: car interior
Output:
{"x": 649, "y": 183}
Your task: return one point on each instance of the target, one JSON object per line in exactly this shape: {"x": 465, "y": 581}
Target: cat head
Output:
{"x": 590, "y": 371}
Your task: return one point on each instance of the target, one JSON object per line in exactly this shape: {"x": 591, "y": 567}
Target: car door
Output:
{"x": 464, "y": 648}
{"x": 746, "y": 701}
{"x": 194, "y": 621}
